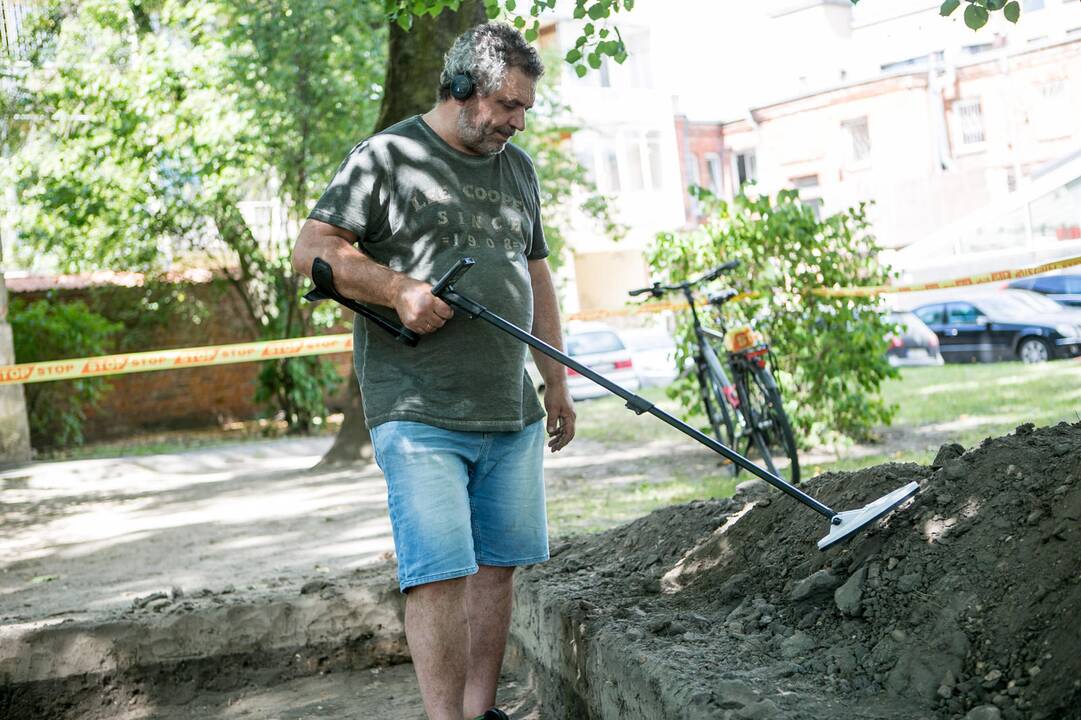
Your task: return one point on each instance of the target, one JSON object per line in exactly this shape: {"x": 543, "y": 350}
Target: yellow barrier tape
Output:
{"x": 327, "y": 344}
{"x": 944, "y": 284}
{"x": 646, "y": 308}
{"x": 173, "y": 359}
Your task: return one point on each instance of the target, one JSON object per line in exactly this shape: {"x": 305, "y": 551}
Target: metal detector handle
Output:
{"x": 323, "y": 277}
{"x": 452, "y": 276}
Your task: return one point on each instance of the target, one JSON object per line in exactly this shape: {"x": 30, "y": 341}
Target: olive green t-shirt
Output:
{"x": 417, "y": 205}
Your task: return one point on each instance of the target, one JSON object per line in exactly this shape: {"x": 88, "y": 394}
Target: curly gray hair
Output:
{"x": 486, "y": 52}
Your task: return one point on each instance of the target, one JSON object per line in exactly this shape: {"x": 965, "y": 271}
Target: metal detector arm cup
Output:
{"x": 323, "y": 277}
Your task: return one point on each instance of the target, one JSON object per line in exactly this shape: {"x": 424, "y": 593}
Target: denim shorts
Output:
{"x": 461, "y": 499}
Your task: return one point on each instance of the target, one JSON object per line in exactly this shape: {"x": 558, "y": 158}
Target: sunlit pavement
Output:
{"x": 83, "y": 536}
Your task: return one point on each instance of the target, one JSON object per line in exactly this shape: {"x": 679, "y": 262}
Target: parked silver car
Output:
{"x": 600, "y": 348}
{"x": 653, "y": 352}
{"x": 915, "y": 345}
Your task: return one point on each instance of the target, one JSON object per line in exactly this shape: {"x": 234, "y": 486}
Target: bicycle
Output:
{"x": 746, "y": 408}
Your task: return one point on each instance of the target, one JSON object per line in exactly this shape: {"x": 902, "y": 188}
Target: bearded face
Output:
{"x": 482, "y": 135}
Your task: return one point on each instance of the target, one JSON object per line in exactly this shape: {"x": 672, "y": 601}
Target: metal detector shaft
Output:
{"x": 444, "y": 289}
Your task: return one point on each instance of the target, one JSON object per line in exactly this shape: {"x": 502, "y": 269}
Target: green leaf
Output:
{"x": 603, "y": 33}
{"x": 579, "y": 10}
{"x": 492, "y": 11}
{"x": 581, "y": 70}
{"x": 587, "y": 29}
{"x": 975, "y": 16}
{"x": 1012, "y": 11}
{"x": 628, "y": 4}
{"x": 597, "y": 11}
{"x": 948, "y": 7}
{"x": 405, "y": 21}
{"x": 510, "y": 5}
{"x": 573, "y": 55}
{"x": 994, "y": 5}
{"x": 531, "y": 35}
{"x": 594, "y": 60}
{"x": 519, "y": 22}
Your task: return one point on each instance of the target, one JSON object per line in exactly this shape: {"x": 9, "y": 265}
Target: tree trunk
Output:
{"x": 414, "y": 61}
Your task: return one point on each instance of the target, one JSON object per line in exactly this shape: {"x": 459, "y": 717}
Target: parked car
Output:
{"x": 915, "y": 345}
{"x": 599, "y": 347}
{"x": 653, "y": 352}
{"x": 1005, "y": 325}
{"x": 1063, "y": 289}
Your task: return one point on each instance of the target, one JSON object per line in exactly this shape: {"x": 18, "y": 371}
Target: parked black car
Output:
{"x": 1063, "y": 289}
{"x": 1006, "y": 325}
{"x": 915, "y": 345}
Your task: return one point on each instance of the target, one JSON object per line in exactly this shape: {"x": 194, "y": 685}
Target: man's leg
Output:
{"x": 489, "y": 595}
{"x": 438, "y": 633}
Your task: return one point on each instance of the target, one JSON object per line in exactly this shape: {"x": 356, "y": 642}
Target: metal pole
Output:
{"x": 634, "y": 402}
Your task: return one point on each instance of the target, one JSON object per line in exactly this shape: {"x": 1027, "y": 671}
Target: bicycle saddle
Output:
{"x": 720, "y": 298}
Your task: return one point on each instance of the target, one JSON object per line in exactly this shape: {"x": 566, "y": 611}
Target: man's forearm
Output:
{"x": 359, "y": 277}
{"x": 356, "y": 275}
{"x": 546, "y": 324}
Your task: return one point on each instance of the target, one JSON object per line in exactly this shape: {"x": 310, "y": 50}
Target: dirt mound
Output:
{"x": 962, "y": 604}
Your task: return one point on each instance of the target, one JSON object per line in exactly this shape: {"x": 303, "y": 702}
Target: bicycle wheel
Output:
{"x": 716, "y": 407}
{"x": 767, "y": 421}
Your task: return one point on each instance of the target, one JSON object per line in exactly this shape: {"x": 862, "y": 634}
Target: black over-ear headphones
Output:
{"x": 462, "y": 86}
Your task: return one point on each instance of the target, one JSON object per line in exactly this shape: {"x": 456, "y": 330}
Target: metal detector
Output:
{"x": 842, "y": 524}
{"x": 323, "y": 277}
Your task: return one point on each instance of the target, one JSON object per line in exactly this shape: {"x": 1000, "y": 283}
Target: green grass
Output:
{"x": 987, "y": 398}
{"x": 967, "y": 403}
{"x": 590, "y": 510}
{"x": 607, "y": 419}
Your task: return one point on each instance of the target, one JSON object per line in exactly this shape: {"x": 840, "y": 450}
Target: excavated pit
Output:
{"x": 962, "y": 604}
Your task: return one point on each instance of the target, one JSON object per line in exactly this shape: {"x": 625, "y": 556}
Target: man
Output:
{"x": 456, "y": 425}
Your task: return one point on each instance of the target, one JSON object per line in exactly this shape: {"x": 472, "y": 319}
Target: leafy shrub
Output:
{"x": 47, "y": 330}
{"x": 829, "y": 352}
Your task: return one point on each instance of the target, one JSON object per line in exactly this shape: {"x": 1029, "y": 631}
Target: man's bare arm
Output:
{"x": 360, "y": 277}
{"x": 557, "y": 398}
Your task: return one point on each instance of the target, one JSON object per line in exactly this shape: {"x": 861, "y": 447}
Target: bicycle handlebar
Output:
{"x": 657, "y": 289}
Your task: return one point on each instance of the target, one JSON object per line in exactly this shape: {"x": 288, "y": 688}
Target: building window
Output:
{"x": 627, "y": 161}
{"x": 694, "y": 177}
{"x": 634, "y": 72}
{"x": 858, "y": 139}
{"x": 713, "y": 167}
{"x": 1053, "y": 117}
{"x": 608, "y": 175}
{"x": 970, "y": 121}
{"x": 807, "y": 185}
{"x": 632, "y": 152}
{"x": 653, "y": 148}
{"x": 744, "y": 167}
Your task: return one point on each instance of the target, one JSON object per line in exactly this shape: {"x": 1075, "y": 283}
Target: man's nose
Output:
{"x": 517, "y": 119}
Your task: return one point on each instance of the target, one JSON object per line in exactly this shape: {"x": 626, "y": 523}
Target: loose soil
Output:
{"x": 962, "y": 604}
